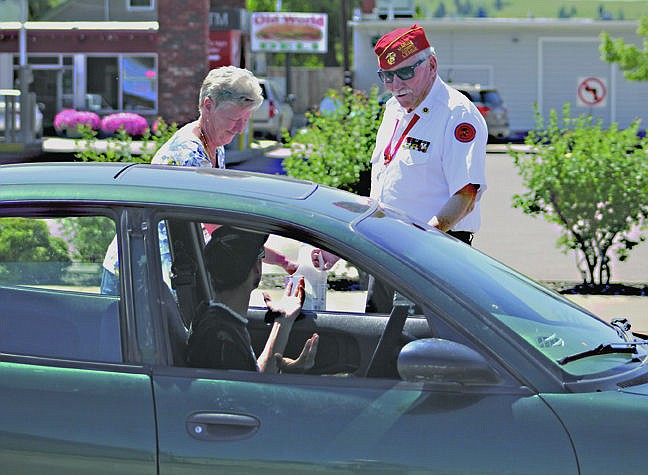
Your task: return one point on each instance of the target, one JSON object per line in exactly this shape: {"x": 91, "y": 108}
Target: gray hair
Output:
{"x": 229, "y": 84}
{"x": 426, "y": 53}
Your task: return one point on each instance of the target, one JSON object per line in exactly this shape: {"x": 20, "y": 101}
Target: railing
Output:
{"x": 14, "y": 112}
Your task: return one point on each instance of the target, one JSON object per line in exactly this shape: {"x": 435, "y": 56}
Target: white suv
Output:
{"x": 275, "y": 114}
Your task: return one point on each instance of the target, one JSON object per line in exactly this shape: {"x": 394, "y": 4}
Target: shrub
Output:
{"x": 133, "y": 124}
{"x": 88, "y": 236}
{"x": 68, "y": 122}
{"x": 335, "y": 149}
{"x": 121, "y": 147}
{"x": 590, "y": 181}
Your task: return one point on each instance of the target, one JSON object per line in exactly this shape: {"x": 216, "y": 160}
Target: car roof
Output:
{"x": 167, "y": 185}
{"x": 471, "y": 87}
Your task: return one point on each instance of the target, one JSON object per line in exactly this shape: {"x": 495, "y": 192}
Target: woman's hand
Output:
{"x": 291, "y": 303}
{"x": 323, "y": 260}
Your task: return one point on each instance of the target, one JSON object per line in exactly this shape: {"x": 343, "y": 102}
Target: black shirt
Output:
{"x": 220, "y": 340}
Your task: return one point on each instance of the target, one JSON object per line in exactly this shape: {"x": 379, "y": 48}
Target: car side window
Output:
{"x": 352, "y": 341}
{"x": 50, "y": 275}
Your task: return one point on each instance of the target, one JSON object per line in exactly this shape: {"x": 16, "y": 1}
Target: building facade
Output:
{"x": 533, "y": 62}
{"x": 123, "y": 55}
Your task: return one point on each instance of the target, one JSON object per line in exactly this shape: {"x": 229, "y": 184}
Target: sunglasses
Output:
{"x": 403, "y": 73}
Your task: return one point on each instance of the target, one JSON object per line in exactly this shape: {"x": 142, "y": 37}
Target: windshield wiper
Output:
{"x": 604, "y": 349}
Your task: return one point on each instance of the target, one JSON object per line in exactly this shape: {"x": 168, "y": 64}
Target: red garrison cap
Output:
{"x": 400, "y": 44}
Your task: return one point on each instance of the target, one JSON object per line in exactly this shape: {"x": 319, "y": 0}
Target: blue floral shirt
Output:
{"x": 184, "y": 149}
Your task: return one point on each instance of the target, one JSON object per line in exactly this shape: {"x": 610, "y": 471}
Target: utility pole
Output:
{"x": 24, "y": 80}
{"x": 348, "y": 74}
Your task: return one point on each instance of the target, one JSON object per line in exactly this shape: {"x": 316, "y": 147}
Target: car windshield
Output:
{"x": 545, "y": 320}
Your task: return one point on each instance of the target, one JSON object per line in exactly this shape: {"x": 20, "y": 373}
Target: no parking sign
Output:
{"x": 591, "y": 92}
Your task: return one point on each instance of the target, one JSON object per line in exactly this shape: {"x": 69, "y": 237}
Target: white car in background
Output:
{"x": 489, "y": 102}
{"x": 15, "y": 93}
{"x": 275, "y": 116}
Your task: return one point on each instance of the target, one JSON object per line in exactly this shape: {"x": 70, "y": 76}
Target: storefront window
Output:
{"x": 122, "y": 82}
{"x": 103, "y": 79}
{"x": 139, "y": 82}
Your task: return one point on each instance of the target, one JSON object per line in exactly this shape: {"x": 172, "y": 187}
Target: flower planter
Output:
{"x": 134, "y": 124}
{"x": 67, "y": 122}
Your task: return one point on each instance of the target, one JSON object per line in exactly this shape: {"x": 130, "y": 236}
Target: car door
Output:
{"x": 69, "y": 402}
{"x": 334, "y": 419}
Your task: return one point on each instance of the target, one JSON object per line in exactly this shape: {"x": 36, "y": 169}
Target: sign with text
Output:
{"x": 289, "y": 32}
{"x": 224, "y": 48}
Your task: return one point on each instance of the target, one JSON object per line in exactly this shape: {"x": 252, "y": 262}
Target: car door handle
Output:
{"x": 221, "y": 426}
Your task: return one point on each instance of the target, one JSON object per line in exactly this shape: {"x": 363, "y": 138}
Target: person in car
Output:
{"x": 219, "y": 337}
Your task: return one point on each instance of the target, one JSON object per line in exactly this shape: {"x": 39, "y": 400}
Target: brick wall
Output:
{"x": 182, "y": 57}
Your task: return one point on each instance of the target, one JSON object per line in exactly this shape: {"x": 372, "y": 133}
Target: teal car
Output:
{"x": 474, "y": 368}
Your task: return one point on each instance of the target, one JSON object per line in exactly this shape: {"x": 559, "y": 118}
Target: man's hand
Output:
{"x": 322, "y": 259}
{"x": 456, "y": 208}
{"x": 305, "y": 360}
{"x": 291, "y": 303}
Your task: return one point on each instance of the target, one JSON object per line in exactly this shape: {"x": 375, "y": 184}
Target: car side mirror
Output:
{"x": 444, "y": 361}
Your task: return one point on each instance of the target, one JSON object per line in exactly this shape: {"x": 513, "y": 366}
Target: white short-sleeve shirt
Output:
{"x": 437, "y": 149}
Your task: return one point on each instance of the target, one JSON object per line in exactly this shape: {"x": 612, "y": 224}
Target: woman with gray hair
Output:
{"x": 228, "y": 97}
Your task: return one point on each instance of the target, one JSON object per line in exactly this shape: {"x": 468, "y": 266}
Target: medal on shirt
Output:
{"x": 391, "y": 152}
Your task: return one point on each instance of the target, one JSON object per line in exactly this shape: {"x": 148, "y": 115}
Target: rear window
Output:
{"x": 492, "y": 98}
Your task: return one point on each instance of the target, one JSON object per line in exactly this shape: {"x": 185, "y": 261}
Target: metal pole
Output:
{"x": 348, "y": 80}
{"x": 26, "y": 113}
{"x": 23, "y": 33}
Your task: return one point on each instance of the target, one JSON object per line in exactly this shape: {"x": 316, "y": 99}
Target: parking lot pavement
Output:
{"x": 528, "y": 245}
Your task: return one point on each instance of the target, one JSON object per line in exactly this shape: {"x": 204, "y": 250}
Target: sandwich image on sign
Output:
{"x": 287, "y": 31}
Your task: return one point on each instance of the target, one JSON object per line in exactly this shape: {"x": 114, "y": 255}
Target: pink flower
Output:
{"x": 71, "y": 119}
{"x": 133, "y": 124}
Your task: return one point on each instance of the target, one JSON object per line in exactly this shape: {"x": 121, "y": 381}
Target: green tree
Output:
{"x": 27, "y": 241}
{"x": 631, "y": 60}
{"x": 89, "y": 236}
{"x": 335, "y": 148}
{"x": 441, "y": 11}
{"x": 38, "y": 8}
{"x": 592, "y": 182}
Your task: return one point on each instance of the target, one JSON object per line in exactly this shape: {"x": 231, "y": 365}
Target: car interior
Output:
{"x": 53, "y": 305}
{"x": 350, "y": 341}
{"x": 55, "y": 309}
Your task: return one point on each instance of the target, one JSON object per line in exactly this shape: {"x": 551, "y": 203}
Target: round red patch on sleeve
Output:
{"x": 465, "y": 132}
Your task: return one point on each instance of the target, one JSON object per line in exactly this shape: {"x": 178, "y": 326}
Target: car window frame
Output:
{"x": 315, "y": 237}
